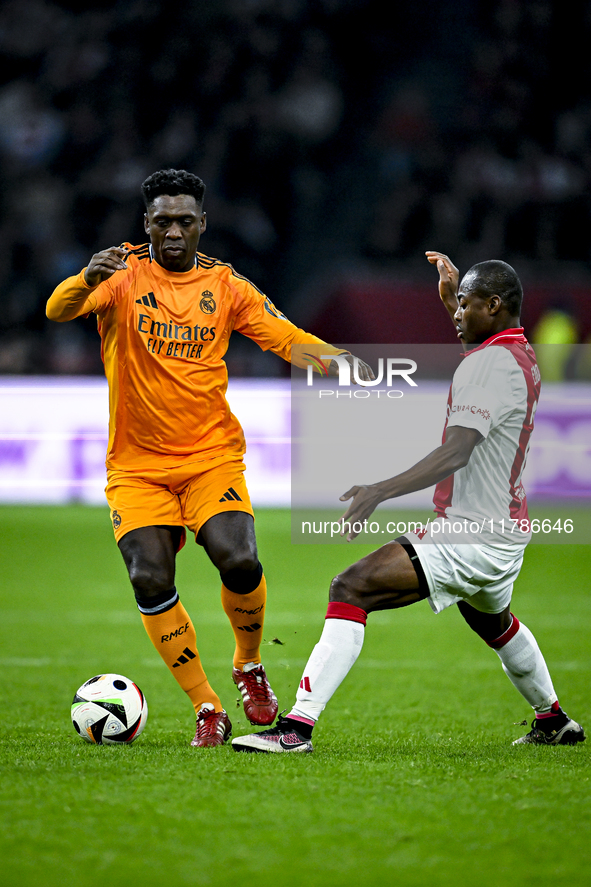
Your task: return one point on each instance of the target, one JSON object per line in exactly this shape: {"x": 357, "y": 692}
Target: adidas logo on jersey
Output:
{"x": 149, "y": 300}
{"x": 231, "y": 496}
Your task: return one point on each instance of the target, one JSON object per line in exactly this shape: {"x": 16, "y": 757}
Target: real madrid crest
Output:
{"x": 207, "y": 303}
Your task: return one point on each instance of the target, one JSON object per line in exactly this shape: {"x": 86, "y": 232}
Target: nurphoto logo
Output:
{"x": 389, "y": 371}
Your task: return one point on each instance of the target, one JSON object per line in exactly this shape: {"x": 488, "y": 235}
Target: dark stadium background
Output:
{"x": 338, "y": 139}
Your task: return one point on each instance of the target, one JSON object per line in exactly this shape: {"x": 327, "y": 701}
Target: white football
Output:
{"x": 109, "y": 709}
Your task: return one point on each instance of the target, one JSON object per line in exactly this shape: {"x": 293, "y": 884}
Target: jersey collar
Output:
{"x": 511, "y": 336}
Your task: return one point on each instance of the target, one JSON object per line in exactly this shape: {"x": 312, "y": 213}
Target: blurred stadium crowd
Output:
{"x": 334, "y": 136}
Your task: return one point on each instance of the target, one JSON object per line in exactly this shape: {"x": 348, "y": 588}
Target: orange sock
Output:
{"x": 173, "y": 635}
{"x": 246, "y": 613}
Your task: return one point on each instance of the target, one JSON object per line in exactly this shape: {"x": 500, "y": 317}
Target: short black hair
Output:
{"x": 172, "y": 182}
{"x": 497, "y": 278}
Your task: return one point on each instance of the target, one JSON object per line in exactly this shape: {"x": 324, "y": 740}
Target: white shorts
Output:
{"x": 483, "y": 575}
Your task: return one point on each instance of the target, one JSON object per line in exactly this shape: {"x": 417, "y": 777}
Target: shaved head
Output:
{"x": 496, "y": 278}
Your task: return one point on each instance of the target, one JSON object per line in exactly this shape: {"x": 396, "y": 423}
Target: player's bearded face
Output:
{"x": 174, "y": 226}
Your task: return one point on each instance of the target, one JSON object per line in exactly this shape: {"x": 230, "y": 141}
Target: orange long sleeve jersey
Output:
{"x": 164, "y": 336}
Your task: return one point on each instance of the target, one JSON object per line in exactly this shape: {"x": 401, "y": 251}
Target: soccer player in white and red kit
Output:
{"x": 472, "y": 553}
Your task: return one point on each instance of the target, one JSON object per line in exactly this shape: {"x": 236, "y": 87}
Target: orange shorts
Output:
{"x": 185, "y": 496}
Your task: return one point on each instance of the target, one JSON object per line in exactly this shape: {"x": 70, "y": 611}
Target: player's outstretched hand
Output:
{"x": 365, "y": 501}
{"x": 364, "y": 371}
{"x": 104, "y": 264}
{"x": 449, "y": 278}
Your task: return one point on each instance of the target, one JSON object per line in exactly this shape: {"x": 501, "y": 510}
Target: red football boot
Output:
{"x": 258, "y": 699}
{"x": 213, "y": 727}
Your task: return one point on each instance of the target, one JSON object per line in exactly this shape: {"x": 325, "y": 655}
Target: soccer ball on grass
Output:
{"x": 109, "y": 709}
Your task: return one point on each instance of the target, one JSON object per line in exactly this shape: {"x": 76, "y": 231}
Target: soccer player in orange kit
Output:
{"x": 175, "y": 454}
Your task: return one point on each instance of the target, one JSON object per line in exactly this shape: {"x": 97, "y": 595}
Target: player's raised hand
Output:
{"x": 104, "y": 264}
{"x": 365, "y": 501}
{"x": 449, "y": 278}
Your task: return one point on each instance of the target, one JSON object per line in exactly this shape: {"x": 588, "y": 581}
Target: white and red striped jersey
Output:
{"x": 494, "y": 390}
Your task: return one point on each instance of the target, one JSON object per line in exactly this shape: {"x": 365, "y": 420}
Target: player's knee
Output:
{"x": 149, "y": 580}
{"x": 236, "y": 557}
{"x": 343, "y": 589}
{"x": 488, "y": 626}
{"x": 243, "y": 579}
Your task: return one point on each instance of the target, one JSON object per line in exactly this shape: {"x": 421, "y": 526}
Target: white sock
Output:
{"x": 331, "y": 660}
{"x": 525, "y": 666}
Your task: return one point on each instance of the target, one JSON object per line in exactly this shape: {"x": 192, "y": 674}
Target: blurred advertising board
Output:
{"x": 53, "y": 438}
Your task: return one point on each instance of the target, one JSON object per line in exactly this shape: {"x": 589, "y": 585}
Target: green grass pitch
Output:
{"x": 413, "y": 781}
